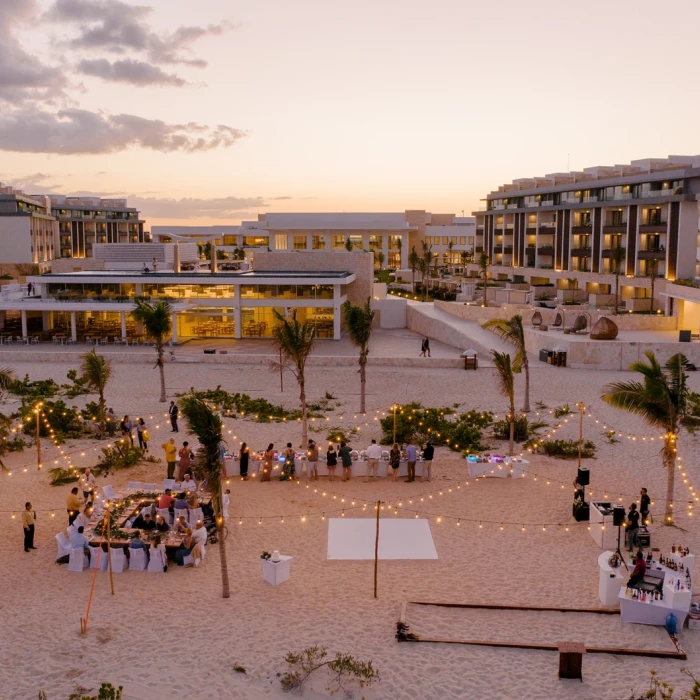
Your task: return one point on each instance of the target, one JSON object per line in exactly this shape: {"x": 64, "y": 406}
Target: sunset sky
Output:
{"x": 218, "y": 110}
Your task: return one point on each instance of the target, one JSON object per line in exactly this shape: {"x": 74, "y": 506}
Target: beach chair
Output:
{"x": 195, "y": 515}
{"x": 165, "y": 513}
{"x": 156, "y": 563}
{"x": 149, "y": 487}
{"x": 95, "y": 554}
{"x": 119, "y": 562}
{"x": 137, "y": 485}
{"x": 78, "y": 560}
{"x": 64, "y": 548}
{"x": 138, "y": 559}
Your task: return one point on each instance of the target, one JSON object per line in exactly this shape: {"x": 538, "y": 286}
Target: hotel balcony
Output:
{"x": 615, "y": 228}
{"x": 581, "y": 229}
{"x": 651, "y": 255}
{"x": 607, "y": 252}
{"x": 545, "y": 250}
{"x": 581, "y": 252}
{"x": 547, "y": 227}
{"x": 659, "y": 227}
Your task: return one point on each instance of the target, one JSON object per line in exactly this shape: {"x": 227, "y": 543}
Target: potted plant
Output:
{"x": 581, "y": 510}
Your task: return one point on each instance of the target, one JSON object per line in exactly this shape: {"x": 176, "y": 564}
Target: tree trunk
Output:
{"x": 225, "y": 586}
{"x": 669, "y": 460}
{"x": 512, "y": 428}
{"x": 302, "y": 400}
{"x": 363, "y": 380}
{"x": 617, "y": 294}
{"x": 526, "y": 403}
{"x": 101, "y": 414}
{"x": 161, "y": 367}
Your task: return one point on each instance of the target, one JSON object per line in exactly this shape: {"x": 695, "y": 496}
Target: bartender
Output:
{"x": 640, "y": 568}
{"x": 644, "y": 504}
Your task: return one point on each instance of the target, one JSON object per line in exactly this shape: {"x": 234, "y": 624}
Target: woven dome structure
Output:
{"x": 580, "y": 324}
{"x": 604, "y": 329}
{"x": 558, "y": 320}
{"x": 536, "y": 318}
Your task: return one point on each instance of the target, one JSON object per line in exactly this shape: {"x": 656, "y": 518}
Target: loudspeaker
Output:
{"x": 618, "y": 516}
{"x": 684, "y": 336}
{"x": 584, "y": 476}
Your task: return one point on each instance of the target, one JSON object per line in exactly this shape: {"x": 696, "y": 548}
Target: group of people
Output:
{"x": 185, "y": 457}
{"x": 633, "y": 519}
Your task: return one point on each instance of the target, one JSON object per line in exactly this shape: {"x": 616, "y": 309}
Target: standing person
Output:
{"x": 428, "y": 453}
{"x": 154, "y": 264}
{"x": 331, "y": 460}
{"x": 170, "y": 456}
{"x": 87, "y": 485}
{"x": 422, "y": 348}
{"x": 374, "y": 453}
{"x": 111, "y": 422}
{"x": 28, "y": 519}
{"x": 173, "y": 412}
{"x": 644, "y": 506}
{"x": 288, "y": 469}
{"x": 268, "y": 459}
{"x": 426, "y": 344}
{"x": 185, "y": 461}
{"x": 126, "y": 426}
{"x": 225, "y": 503}
{"x": 312, "y": 460}
{"x": 73, "y": 505}
{"x": 394, "y": 460}
{"x": 29, "y": 289}
{"x": 243, "y": 457}
{"x": 142, "y": 434}
{"x": 345, "y": 460}
{"x": 632, "y": 527}
{"x": 411, "y": 455}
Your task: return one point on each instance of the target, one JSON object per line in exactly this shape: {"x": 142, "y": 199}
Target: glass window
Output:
{"x": 375, "y": 242}
{"x": 305, "y": 291}
{"x": 318, "y": 242}
{"x": 463, "y": 240}
{"x": 445, "y": 239}
{"x": 281, "y": 241}
{"x": 287, "y": 291}
{"x": 324, "y": 291}
{"x": 454, "y": 240}
{"x": 248, "y": 291}
{"x": 428, "y": 240}
{"x": 230, "y": 240}
{"x": 300, "y": 242}
{"x": 356, "y": 242}
{"x": 252, "y": 241}
{"x": 338, "y": 241}
{"x": 394, "y": 242}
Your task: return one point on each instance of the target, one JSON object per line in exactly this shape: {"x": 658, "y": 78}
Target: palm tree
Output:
{"x": 399, "y": 247}
{"x": 512, "y": 332}
{"x": 358, "y": 323}
{"x": 7, "y": 376}
{"x": 206, "y": 425}
{"x": 661, "y": 400}
{"x": 348, "y": 244}
{"x": 427, "y": 260}
{"x": 413, "y": 259}
{"x": 506, "y": 385}
{"x": 97, "y": 371}
{"x": 156, "y": 320}
{"x": 450, "y": 246}
{"x": 295, "y": 341}
{"x": 380, "y": 260}
{"x": 484, "y": 271}
{"x": 616, "y": 260}
{"x": 465, "y": 258}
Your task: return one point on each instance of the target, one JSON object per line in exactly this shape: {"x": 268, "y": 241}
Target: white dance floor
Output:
{"x": 354, "y": 538}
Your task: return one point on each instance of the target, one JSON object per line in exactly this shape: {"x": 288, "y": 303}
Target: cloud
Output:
{"x": 79, "y": 131}
{"x": 128, "y": 71}
{"x": 192, "y": 207}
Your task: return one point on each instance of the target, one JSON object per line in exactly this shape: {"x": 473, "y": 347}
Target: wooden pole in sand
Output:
{"x": 394, "y": 423}
{"x": 109, "y": 552}
{"x": 281, "y": 370}
{"x": 376, "y": 551}
{"x": 37, "y": 410}
{"x": 581, "y": 407}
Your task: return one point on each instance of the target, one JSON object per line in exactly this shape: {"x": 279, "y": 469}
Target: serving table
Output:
{"x": 359, "y": 467}
{"x": 276, "y": 572}
{"x": 601, "y": 527}
{"x": 496, "y": 466}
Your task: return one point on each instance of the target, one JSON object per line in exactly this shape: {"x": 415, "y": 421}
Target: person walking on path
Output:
{"x": 170, "y": 456}
{"x": 185, "y": 461}
{"x": 331, "y": 461}
{"x": 173, "y": 412}
{"x": 374, "y": 454}
{"x": 345, "y": 460}
{"x": 425, "y": 347}
{"x": 644, "y": 506}
{"x": 268, "y": 459}
{"x": 394, "y": 460}
{"x": 312, "y": 460}
{"x": 243, "y": 461}
{"x": 412, "y": 455}
{"x": 428, "y": 453}
{"x": 28, "y": 519}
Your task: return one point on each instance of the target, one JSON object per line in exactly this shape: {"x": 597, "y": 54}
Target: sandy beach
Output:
{"x": 173, "y": 636}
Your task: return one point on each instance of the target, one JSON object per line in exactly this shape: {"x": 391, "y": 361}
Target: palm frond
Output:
{"x": 155, "y": 318}
{"x": 6, "y": 378}
{"x": 358, "y": 322}
{"x": 296, "y": 340}
{"x": 504, "y": 374}
{"x": 512, "y": 332}
{"x": 96, "y": 370}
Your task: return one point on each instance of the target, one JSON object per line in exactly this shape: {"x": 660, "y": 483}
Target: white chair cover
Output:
{"x": 94, "y": 552}
{"x": 188, "y": 486}
{"x": 169, "y": 484}
{"x": 195, "y": 515}
{"x": 78, "y": 559}
{"x": 165, "y": 513}
{"x": 119, "y": 562}
{"x": 138, "y": 559}
{"x": 64, "y": 548}
{"x": 135, "y": 485}
{"x": 149, "y": 487}
{"x": 72, "y": 529}
{"x": 108, "y": 492}
{"x": 183, "y": 512}
{"x": 156, "y": 563}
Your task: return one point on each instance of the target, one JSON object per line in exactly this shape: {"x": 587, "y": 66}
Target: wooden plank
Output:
{"x": 538, "y": 608}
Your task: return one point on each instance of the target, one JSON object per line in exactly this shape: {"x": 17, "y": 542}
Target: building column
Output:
{"x": 174, "y": 331}
{"x": 309, "y": 242}
{"x": 336, "y": 312}
{"x": 23, "y": 314}
{"x": 73, "y": 326}
{"x": 2, "y": 319}
{"x": 122, "y": 315}
{"x": 237, "y": 312}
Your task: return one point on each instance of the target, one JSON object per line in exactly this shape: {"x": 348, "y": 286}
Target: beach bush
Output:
{"x": 567, "y": 449}
{"x": 523, "y": 429}
{"x": 64, "y": 421}
{"x": 661, "y": 690}
{"x": 336, "y": 434}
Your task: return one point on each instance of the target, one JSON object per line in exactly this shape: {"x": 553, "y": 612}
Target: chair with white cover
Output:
{"x": 195, "y": 515}
{"x": 183, "y": 512}
{"x": 138, "y": 559}
{"x": 64, "y": 548}
{"x": 168, "y": 484}
{"x": 157, "y": 561}
{"x": 149, "y": 487}
{"x": 96, "y": 554}
{"x": 135, "y": 485}
{"x": 108, "y": 491}
{"x": 165, "y": 514}
{"x": 72, "y": 529}
{"x": 78, "y": 560}
{"x": 119, "y": 562}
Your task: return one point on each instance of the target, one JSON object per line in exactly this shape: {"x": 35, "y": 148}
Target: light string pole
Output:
{"x": 37, "y": 410}
{"x": 376, "y": 550}
{"x": 581, "y": 409}
{"x": 109, "y": 551}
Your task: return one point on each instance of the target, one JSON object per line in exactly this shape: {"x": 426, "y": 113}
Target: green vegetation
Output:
{"x": 523, "y": 429}
{"x": 59, "y": 422}
{"x": 566, "y": 449}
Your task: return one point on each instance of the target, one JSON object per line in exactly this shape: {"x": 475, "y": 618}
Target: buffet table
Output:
{"x": 358, "y": 468}
{"x": 601, "y": 527}
{"x": 496, "y": 466}
{"x": 610, "y": 580}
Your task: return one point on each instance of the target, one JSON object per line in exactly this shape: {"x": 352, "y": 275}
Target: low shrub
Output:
{"x": 567, "y": 449}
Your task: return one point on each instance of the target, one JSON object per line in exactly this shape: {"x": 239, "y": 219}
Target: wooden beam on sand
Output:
{"x": 537, "y": 608}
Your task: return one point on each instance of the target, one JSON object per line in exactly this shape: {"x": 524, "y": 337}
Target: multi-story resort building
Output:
{"x": 391, "y": 234}
{"x": 561, "y": 226}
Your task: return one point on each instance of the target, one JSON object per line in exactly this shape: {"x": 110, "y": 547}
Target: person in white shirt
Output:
{"x": 226, "y": 503}
{"x": 374, "y": 453}
{"x": 200, "y": 533}
{"x": 87, "y": 484}
{"x": 188, "y": 484}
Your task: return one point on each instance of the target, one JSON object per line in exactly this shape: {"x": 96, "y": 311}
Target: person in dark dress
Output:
{"x": 632, "y": 527}
{"x": 331, "y": 461}
{"x": 288, "y": 468}
{"x": 644, "y": 506}
{"x": 243, "y": 457}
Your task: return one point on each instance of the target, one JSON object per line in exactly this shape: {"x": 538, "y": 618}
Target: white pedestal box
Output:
{"x": 276, "y": 572}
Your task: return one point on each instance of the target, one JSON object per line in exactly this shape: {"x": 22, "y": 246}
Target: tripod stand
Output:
{"x": 618, "y": 552}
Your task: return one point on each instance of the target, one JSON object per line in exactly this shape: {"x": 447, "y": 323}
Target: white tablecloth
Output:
{"x": 602, "y": 530}
{"x": 498, "y": 468}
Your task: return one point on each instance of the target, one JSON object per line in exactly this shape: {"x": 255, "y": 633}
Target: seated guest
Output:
{"x": 78, "y": 541}
{"x": 158, "y": 550}
{"x": 192, "y": 499}
{"x": 181, "y": 503}
{"x": 162, "y": 524}
{"x": 137, "y": 542}
{"x": 640, "y": 568}
{"x": 144, "y": 522}
{"x": 166, "y": 500}
{"x": 185, "y": 548}
{"x": 200, "y": 534}
{"x": 180, "y": 525}
{"x": 188, "y": 484}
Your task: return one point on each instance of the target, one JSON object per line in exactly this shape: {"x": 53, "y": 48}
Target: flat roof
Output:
{"x": 233, "y": 274}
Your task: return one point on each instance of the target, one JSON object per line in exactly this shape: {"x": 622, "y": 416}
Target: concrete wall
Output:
{"x": 391, "y": 312}
{"x": 62, "y": 265}
{"x": 16, "y": 239}
{"x": 362, "y": 264}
